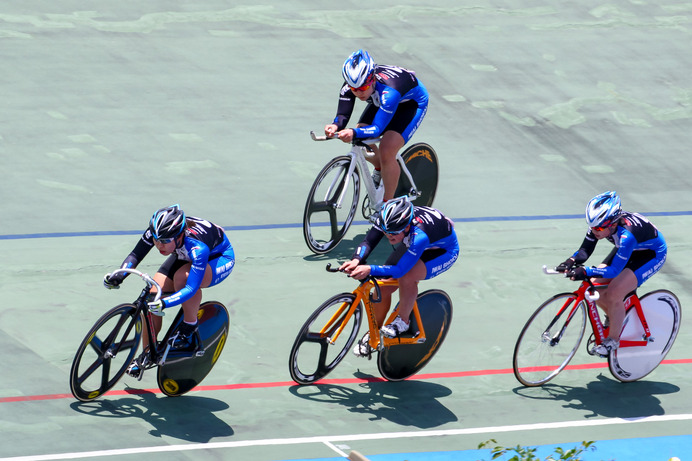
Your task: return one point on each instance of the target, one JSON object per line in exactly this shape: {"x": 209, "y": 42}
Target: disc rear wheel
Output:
{"x": 421, "y": 161}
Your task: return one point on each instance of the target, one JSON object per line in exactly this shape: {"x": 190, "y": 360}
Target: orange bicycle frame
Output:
{"x": 362, "y": 293}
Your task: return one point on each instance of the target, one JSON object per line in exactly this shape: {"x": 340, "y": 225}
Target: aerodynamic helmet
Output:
{"x": 167, "y": 223}
{"x": 358, "y": 68}
{"x": 603, "y": 209}
{"x": 395, "y": 215}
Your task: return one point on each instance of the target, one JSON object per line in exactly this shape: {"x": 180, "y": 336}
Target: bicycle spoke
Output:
{"x": 549, "y": 340}
{"x": 99, "y": 363}
{"x": 331, "y": 206}
{"x": 90, "y": 370}
{"x": 320, "y": 345}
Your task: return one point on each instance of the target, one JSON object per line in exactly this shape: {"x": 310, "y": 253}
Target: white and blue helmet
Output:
{"x": 358, "y": 68}
{"x": 603, "y": 209}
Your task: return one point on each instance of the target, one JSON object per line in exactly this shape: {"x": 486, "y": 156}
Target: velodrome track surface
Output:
{"x": 112, "y": 111}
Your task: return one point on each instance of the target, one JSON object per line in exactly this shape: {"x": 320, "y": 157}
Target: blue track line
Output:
{"x": 295, "y": 225}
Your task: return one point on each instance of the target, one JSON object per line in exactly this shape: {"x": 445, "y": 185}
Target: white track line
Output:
{"x": 327, "y": 440}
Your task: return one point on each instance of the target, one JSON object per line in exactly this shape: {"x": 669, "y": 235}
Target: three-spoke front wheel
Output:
{"x": 331, "y": 205}
{"x": 549, "y": 340}
{"x": 325, "y": 338}
{"x": 106, "y": 352}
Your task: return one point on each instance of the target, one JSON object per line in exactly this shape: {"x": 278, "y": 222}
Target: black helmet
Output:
{"x": 395, "y": 215}
{"x": 167, "y": 223}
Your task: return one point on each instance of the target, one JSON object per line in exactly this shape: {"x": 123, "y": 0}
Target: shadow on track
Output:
{"x": 606, "y": 397}
{"x": 187, "y": 417}
{"x": 406, "y": 403}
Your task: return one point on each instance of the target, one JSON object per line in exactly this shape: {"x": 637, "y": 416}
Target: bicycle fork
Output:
{"x": 554, "y": 340}
{"x": 343, "y": 184}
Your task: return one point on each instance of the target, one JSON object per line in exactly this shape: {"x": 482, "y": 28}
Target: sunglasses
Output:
{"x": 601, "y": 228}
{"x": 364, "y": 87}
{"x": 164, "y": 241}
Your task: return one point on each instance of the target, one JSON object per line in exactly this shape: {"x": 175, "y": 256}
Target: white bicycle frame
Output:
{"x": 358, "y": 156}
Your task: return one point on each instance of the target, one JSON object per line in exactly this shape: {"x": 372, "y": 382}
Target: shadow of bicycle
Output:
{"x": 606, "y": 397}
{"x": 406, "y": 403}
{"x": 187, "y": 417}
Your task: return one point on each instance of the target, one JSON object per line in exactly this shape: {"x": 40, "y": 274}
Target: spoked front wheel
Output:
{"x": 421, "y": 161}
{"x": 331, "y": 205}
{"x": 549, "y": 340}
{"x": 325, "y": 338}
{"x": 663, "y": 315}
{"x": 106, "y": 352}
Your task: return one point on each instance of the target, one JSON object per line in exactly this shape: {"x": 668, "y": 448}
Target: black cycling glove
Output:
{"x": 113, "y": 281}
{"x": 578, "y": 274}
{"x": 565, "y": 266}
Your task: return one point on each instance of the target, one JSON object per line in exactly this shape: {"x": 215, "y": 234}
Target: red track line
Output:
{"x": 226, "y": 387}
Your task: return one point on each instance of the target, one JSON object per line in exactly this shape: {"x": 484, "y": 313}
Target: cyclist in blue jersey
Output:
{"x": 199, "y": 256}
{"x": 640, "y": 251}
{"x": 397, "y": 102}
{"x": 427, "y": 245}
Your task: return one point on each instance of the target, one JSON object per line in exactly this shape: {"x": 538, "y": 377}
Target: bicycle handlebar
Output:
{"x": 368, "y": 141}
{"x": 378, "y": 293}
{"x": 595, "y": 296}
{"x": 147, "y": 279}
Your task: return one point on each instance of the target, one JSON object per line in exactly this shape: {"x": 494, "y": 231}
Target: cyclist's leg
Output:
{"x": 191, "y": 306}
{"x": 639, "y": 268}
{"x": 216, "y": 271}
{"x": 408, "y": 289}
{"x": 613, "y": 300}
{"x": 404, "y": 123}
{"x": 431, "y": 264}
{"x": 385, "y": 303}
{"x": 390, "y": 145}
{"x": 366, "y": 119}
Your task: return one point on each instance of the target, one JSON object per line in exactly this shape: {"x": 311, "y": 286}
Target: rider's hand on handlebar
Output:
{"x": 348, "y": 266}
{"x": 346, "y": 135}
{"x": 330, "y": 130}
{"x": 565, "y": 266}
{"x": 360, "y": 272}
{"x": 113, "y": 281}
{"x": 157, "y": 307}
{"x": 577, "y": 274}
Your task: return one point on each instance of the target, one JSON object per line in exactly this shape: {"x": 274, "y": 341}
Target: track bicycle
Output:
{"x": 334, "y": 196}
{"x": 328, "y": 334}
{"x": 111, "y": 345}
{"x": 552, "y": 334}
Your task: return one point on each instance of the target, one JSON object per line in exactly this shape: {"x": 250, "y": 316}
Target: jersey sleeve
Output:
{"x": 199, "y": 254}
{"x": 586, "y": 249}
{"x": 347, "y": 101}
{"x": 390, "y": 99}
{"x": 372, "y": 238}
{"x": 627, "y": 244}
{"x": 142, "y": 249}
{"x": 419, "y": 242}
